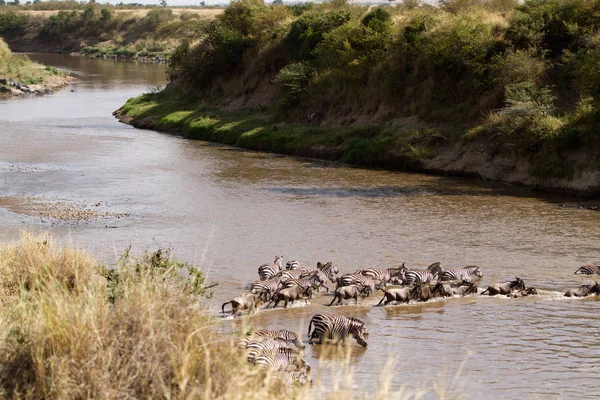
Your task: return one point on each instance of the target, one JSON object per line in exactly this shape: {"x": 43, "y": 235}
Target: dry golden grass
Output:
{"x": 61, "y": 337}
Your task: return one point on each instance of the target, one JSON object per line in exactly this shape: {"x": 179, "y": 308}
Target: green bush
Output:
{"x": 309, "y": 30}
{"x": 293, "y": 80}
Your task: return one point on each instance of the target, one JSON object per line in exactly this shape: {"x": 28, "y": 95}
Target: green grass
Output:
{"x": 372, "y": 145}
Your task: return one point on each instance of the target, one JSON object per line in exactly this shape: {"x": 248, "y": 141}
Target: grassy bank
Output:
{"x": 102, "y": 30}
{"x": 494, "y": 89}
{"x": 19, "y": 69}
{"x": 69, "y": 328}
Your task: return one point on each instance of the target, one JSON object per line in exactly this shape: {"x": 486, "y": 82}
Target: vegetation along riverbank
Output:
{"x": 19, "y": 75}
{"x": 491, "y": 89}
{"x": 148, "y": 34}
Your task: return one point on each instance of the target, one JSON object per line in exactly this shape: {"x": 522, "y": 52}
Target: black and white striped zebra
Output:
{"x": 293, "y": 378}
{"x": 295, "y": 273}
{"x": 465, "y": 273}
{"x": 430, "y": 274}
{"x": 358, "y": 280}
{"x": 336, "y": 327}
{"x": 280, "y": 359}
{"x": 328, "y": 269}
{"x": 315, "y": 281}
{"x": 383, "y": 275}
{"x": 266, "y": 288}
{"x": 267, "y": 271}
{"x": 277, "y": 334}
{"x": 589, "y": 270}
{"x": 271, "y": 346}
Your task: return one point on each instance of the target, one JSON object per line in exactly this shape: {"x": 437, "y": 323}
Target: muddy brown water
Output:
{"x": 232, "y": 210}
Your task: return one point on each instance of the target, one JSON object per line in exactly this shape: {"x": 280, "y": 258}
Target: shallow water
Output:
{"x": 232, "y": 210}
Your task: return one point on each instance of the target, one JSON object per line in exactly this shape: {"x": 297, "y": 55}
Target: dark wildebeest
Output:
{"x": 350, "y": 292}
{"x": 583, "y": 291}
{"x": 248, "y": 301}
{"x": 506, "y": 287}
{"x": 530, "y": 291}
{"x": 426, "y": 292}
{"x": 292, "y": 294}
{"x": 462, "y": 289}
{"x": 396, "y": 294}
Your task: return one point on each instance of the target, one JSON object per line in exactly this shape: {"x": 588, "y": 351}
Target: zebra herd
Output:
{"x": 278, "y": 284}
{"x": 282, "y": 350}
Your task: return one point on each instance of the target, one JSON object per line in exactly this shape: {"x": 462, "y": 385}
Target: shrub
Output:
{"x": 293, "y": 80}
{"x": 309, "y": 30}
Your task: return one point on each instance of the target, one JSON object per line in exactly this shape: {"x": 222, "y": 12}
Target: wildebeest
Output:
{"x": 583, "y": 291}
{"x": 400, "y": 294}
{"x": 248, "y": 301}
{"x": 292, "y": 294}
{"x": 506, "y": 287}
{"x": 530, "y": 291}
{"x": 424, "y": 292}
{"x": 464, "y": 288}
{"x": 350, "y": 292}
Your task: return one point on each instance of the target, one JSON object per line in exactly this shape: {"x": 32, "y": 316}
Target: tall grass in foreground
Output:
{"x": 71, "y": 329}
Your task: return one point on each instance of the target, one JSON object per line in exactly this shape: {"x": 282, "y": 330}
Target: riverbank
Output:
{"x": 436, "y": 149}
{"x": 20, "y": 76}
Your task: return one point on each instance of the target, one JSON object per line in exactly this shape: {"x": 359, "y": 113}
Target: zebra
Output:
{"x": 261, "y": 348}
{"x": 295, "y": 273}
{"x": 589, "y": 270}
{"x": 358, "y": 280}
{"x": 456, "y": 274}
{"x": 281, "y": 359}
{"x": 262, "y": 342}
{"x": 315, "y": 281}
{"x": 383, "y": 275}
{"x": 293, "y": 378}
{"x": 328, "y": 269}
{"x": 336, "y": 327}
{"x": 267, "y": 271}
{"x": 267, "y": 287}
{"x": 421, "y": 275}
{"x": 280, "y": 334}
{"x": 293, "y": 264}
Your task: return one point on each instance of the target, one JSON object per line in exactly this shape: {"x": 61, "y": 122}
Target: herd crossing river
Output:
{"x": 231, "y": 210}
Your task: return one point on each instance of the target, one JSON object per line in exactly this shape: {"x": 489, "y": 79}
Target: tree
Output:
{"x": 106, "y": 15}
{"x": 2, "y": 2}
{"x": 202, "y": 4}
{"x": 163, "y": 3}
{"x": 277, "y": 1}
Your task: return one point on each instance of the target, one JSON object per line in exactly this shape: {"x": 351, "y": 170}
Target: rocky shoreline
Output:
{"x": 11, "y": 88}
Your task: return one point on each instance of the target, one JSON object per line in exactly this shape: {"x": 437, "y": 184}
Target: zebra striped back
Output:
{"x": 328, "y": 269}
{"x": 266, "y": 287}
{"x": 291, "y": 265}
{"x": 314, "y": 281}
{"x": 280, "y": 359}
{"x": 430, "y": 274}
{"x": 336, "y": 327}
{"x": 588, "y": 270}
{"x": 358, "y": 280}
{"x": 292, "y": 378}
{"x": 280, "y": 334}
{"x": 455, "y": 274}
{"x": 267, "y": 271}
{"x": 383, "y": 275}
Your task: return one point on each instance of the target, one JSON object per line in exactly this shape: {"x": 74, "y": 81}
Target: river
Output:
{"x": 231, "y": 210}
